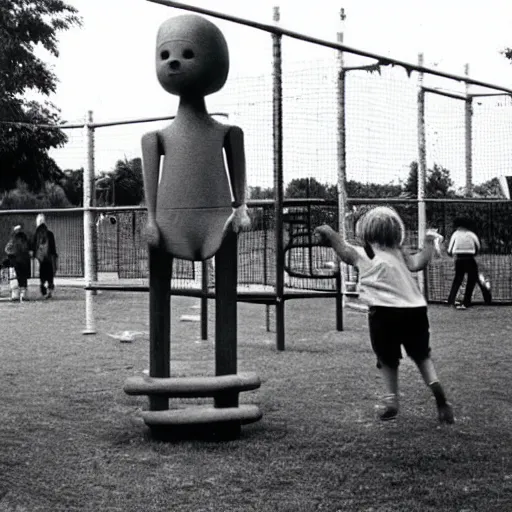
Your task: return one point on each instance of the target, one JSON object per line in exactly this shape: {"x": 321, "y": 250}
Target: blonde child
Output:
{"x": 397, "y": 312}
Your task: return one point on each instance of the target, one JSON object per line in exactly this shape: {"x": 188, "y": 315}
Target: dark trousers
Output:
{"x": 22, "y": 270}
{"x": 464, "y": 265}
{"x": 46, "y": 275}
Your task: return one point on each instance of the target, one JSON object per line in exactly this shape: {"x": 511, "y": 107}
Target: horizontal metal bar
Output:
{"x": 102, "y": 125}
{"x": 444, "y": 93}
{"x": 242, "y": 296}
{"x": 39, "y": 210}
{"x": 279, "y": 31}
{"x": 268, "y": 202}
{"x": 145, "y": 120}
{"x": 48, "y": 126}
{"x": 489, "y": 94}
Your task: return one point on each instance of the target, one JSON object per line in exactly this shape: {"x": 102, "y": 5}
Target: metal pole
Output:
{"x": 341, "y": 154}
{"x": 92, "y": 175}
{"x": 88, "y": 189}
{"x": 277, "y": 102}
{"x": 422, "y": 167}
{"x": 468, "y": 125}
{"x": 204, "y": 300}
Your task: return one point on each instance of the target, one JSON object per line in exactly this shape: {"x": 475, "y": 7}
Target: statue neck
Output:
{"x": 192, "y": 107}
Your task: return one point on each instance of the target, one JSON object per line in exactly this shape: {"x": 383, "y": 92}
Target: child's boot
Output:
{"x": 444, "y": 408}
{"x": 388, "y": 410}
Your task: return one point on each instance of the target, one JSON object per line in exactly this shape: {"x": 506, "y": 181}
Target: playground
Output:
{"x": 73, "y": 440}
{"x": 78, "y": 431}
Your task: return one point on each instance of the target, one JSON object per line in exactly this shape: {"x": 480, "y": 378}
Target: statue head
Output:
{"x": 192, "y": 56}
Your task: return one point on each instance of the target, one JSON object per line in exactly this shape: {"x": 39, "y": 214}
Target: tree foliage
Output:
{"x": 72, "y": 183}
{"x": 258, "y": 192}
{"x": 25, "y": 28}
{"x": 127, "y": 182}
{"x": 438, "y": 182}
{"x": 51, "y": 195}
{"x": 489, "y": 189}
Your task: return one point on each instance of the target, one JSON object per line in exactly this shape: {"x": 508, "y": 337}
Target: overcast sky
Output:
{"x": 108, "y": 65}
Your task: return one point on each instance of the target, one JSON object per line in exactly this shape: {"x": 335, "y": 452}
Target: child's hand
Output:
{"x": 434, "y": 237}
{"x": 323, "y": 234}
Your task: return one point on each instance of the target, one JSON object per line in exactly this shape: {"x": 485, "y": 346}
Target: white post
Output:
{"x": 422, "y": 167}
{"x": 88, "y": 188}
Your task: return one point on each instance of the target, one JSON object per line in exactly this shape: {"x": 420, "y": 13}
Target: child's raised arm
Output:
{"x": 420, "y": 260}
{"x": 345, "y": 251}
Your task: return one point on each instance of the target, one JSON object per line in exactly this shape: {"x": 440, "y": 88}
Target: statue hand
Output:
{"x": 239, "y": 219}
{"x": 152, "y": 234}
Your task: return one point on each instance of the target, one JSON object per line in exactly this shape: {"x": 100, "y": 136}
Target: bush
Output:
{"x": 21, "y": 198}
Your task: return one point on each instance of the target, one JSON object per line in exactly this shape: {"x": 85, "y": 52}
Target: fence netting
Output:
{"x": 121, "y": 251}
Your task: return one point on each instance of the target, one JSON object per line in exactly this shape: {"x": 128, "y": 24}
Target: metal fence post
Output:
{"x": 277, "y": 100}
{"x": 422, "y": 169}
{"x": 88, "y": 189}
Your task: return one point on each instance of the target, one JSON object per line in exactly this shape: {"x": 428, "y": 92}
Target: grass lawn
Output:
{"x": 71, "y": 440}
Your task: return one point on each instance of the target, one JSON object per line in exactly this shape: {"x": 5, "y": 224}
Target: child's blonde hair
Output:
{"x": 381, "y": 225}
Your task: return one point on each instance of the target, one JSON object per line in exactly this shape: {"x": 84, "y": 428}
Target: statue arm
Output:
{"x": 151, "y": 170}
{"x": 235, "y": 158}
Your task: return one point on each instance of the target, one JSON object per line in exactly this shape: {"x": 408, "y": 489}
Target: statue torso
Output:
{"x": 194, "y": 197}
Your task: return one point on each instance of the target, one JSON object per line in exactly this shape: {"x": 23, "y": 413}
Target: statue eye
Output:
{"x": 164, "y": 55}
{"x": 188, "y": 54}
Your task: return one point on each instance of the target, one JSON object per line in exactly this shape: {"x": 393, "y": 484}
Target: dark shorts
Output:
{"x": 390, "y": 328}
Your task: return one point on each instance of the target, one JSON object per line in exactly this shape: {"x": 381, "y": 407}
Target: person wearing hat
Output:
{"x": 18, "y": 253}
{"x": 46, "y": 253}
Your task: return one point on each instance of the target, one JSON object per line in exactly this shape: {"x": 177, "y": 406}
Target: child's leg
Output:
{"x": 390, "y": 406}
{"x": 382, "y": 324}
{"x": 390, "y": 376}
{"x": 428, "y": 372}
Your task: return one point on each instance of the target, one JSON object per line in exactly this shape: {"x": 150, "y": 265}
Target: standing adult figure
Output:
{"x": 195, "y": 205}
{"x": 18, "y": 254}
{"x": 464, "y": 245}
{"x": 45, "y": 251}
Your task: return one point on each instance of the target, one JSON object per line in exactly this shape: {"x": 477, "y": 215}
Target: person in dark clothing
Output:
{"x": 464, "y": 245}
{"x": 18, "y": 253}
{"x": 45, "y": 251}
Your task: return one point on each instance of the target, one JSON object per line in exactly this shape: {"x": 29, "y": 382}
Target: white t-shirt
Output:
{"x": 386, "y": 281}
{"x": 463, "y": 241}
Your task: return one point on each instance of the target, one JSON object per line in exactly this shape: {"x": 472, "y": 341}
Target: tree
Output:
{"x": 358, "y": 189}
{"x": 128, "y": 182}
{"x": 72, "y": 183}
{"x": 438, "y": 182}
{"x": 25, "y": 25}
{"x": 51, "y": 195}
{"x": 490, "y": 188}
{"x": 305, "y": 187}
{"x": 258, "y": 192}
